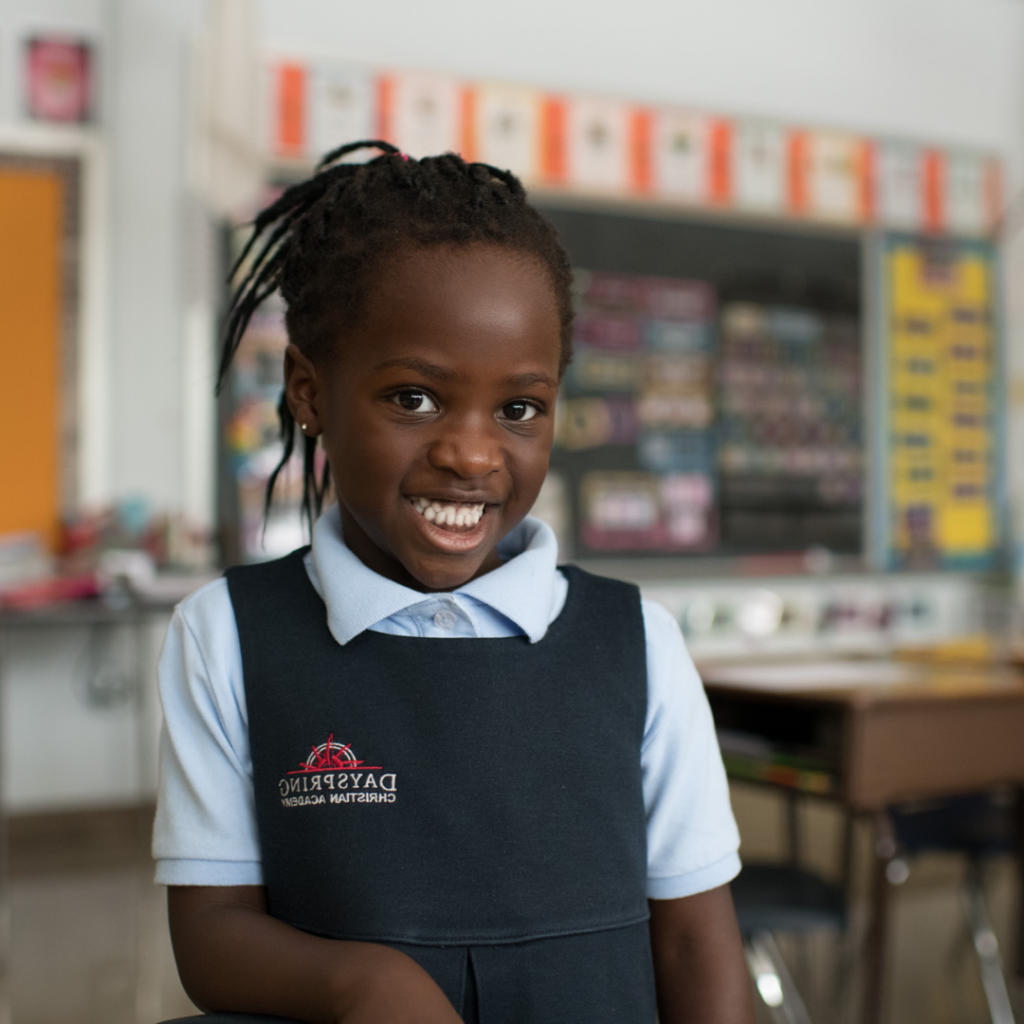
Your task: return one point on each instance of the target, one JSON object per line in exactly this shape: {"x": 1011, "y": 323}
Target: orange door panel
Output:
{"x": 31, "y": 204}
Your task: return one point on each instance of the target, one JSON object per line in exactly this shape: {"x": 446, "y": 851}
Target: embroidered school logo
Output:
{"x": 332, "y": 773}
{"x": 331, "y": 755}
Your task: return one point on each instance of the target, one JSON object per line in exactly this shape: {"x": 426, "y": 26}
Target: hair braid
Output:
{"x": 322, "y": 242}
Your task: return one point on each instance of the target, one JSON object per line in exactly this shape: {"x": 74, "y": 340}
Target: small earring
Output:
{"x": 302, "y": 427}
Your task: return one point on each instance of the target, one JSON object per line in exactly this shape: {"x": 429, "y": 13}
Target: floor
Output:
{"x": 90, "y": 941}
{"x": 933, "y": 976}
{"x": 89, "y": 927}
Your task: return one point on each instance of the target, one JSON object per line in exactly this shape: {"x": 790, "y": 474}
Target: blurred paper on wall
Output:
{"x": 225, "y": 161}
{"x": 423, "y": 113}
{"x": 288, "y": 111}
{"x": 507, "y": 129}
{"x": 598, "y": 143}
{"x": 761, "y": 166}
{"x": 682, "y": 155}
{"x": 342, "y": 108}
{"x": 900, "y": 185}
{"x": 834, "y": 176}
{"x": 966, "y": 206}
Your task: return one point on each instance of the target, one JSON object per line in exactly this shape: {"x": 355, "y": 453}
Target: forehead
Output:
{"x": 476, "y": 303}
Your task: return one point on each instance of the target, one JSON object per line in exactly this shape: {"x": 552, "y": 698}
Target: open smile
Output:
{"x": 454, "y": 526}
{"x": 456, "y": 516}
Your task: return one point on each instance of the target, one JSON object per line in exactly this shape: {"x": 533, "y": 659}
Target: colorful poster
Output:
{"x": 59, "y": 80}
{"x": 342, "y": 108}
{"x": 635, "y": 438}
{"x": 598, "y": 147}
{"x": 682, "y": 155}
{"x": 790, "y": 427}
{"x": 901, "y": 186}
{"x": 422, "y": 114}
{"x": 942, "y": 471}
{"x": 761, "y": 166}
{"x": 507, "y": 129}
{"x": 627, "y": 511}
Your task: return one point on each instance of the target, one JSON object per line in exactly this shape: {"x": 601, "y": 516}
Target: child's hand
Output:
{"x": 233, "y": 956}
{"x": 395, "y": 990}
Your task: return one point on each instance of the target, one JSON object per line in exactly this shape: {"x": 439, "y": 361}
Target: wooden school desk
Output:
{"x": 876, "y": 733}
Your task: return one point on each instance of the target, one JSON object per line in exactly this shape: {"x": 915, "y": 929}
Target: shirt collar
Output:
{"x": 522, "y": 588}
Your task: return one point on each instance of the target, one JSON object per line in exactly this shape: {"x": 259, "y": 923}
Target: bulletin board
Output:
{"x": 714, "y": 404}
{"x": 940, "y": 384}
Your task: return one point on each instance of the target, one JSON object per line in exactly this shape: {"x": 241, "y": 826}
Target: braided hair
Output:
{"x": 323, "y": 240}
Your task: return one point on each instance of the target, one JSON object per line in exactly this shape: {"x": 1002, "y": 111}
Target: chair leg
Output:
{"x": 772, "y": 980}
{"x": 959, "y": 955}
{"x": 987, "y": 947}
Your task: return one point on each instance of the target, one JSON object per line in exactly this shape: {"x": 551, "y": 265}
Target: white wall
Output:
{"x": 147, "y": 58}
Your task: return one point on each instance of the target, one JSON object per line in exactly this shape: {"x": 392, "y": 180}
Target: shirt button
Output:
{"x": 445, "y": 620}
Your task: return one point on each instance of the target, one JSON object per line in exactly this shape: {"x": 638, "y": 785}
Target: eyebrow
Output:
{"x": 447, "y": 376}
{"x": 428, "y": 369}
{"x": 526, "y": 380}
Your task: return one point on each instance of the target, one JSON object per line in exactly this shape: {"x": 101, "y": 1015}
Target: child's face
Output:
{"x": 438, "y": 406}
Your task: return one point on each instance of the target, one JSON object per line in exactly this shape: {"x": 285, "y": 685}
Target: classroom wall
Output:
{"x": 951, "y": 71}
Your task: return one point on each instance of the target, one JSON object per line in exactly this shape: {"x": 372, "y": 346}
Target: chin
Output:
{"x": 443, "y": 576}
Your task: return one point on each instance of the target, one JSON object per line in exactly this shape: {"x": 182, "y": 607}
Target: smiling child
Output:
{"x": 418, "y": 773}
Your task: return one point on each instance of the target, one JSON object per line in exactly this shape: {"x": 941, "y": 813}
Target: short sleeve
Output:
{"x": 692, "y": 839}
{"x": 205, "y": 829}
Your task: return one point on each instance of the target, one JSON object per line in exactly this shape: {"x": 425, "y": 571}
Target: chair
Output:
{"x": 783, "y": 899}
{"x": 980, "y": 826}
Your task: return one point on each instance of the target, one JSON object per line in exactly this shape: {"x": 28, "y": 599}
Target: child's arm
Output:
{"x": 233, "y": 956}
{"x": 699, "y": 966}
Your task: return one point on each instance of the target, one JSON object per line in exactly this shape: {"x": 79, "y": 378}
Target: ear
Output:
{"x": 302, "y": 391}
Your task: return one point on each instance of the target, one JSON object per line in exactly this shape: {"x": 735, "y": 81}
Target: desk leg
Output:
{"x": 877, "y": 952}
{"x": 1017, "y": 959}
{"x": 5, "y": 881}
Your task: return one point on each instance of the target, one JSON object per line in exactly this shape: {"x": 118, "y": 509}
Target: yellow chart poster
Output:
{"x": 943, "y": 416}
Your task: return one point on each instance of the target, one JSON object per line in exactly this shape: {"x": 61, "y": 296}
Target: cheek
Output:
{"x": 528, "y": 465}
{"x": 366, "y": 458}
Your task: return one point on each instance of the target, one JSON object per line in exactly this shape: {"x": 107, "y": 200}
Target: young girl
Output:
{"x": 362, "y": 820}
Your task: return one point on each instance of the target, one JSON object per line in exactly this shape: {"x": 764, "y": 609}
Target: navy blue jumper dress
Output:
{"x": 475, "y": 803}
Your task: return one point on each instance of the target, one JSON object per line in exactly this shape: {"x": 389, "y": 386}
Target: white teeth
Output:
{"x": 445, "y": 514}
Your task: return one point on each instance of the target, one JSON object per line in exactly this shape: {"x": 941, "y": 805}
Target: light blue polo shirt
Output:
{"x": 205, "y": 832}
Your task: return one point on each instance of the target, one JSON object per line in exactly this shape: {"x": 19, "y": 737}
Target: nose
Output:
{"x": 468, "y": 448}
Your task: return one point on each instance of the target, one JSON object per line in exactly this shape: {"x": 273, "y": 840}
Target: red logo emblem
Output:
{"x": 332, "y": 756}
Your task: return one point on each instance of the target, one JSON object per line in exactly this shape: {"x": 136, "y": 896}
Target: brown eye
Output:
{"x": 519, "y": 411}
{"x": 415, "y": 401}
